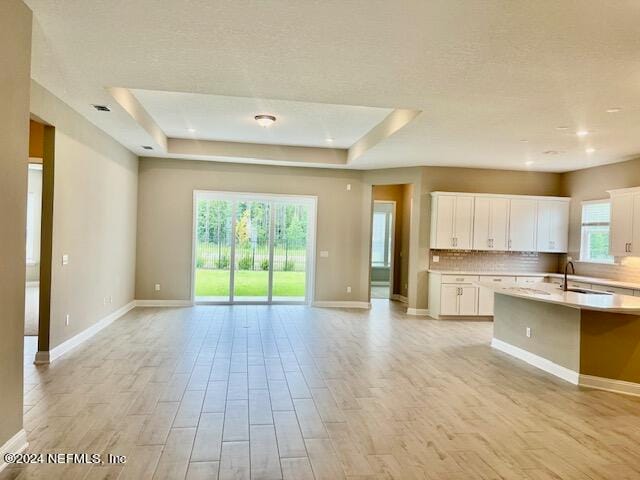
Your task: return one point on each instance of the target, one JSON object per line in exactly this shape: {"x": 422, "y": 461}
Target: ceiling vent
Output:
{"x": 101, "y": 108}
{"x": 147, "y": 147}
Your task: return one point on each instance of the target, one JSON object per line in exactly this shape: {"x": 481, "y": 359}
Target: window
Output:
{"x": 381, "y": 235}
{"x": 594, "y": 245}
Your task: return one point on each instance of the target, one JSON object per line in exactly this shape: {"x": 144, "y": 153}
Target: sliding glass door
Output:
{"x": 252, "y": 248}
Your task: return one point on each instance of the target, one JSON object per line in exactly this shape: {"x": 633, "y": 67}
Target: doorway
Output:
{"x": 382, "y": 245}
{"x": 253, "y": 248}
{"x": 34, "y": 221}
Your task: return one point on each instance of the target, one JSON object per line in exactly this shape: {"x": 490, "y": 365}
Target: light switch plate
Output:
{"x": 65, "y": 259}
{"x": 436, "y": 258}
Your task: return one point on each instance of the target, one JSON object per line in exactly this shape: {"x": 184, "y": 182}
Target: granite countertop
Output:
{"x": 550, "y": 293}
{"x": 576, "y": 278}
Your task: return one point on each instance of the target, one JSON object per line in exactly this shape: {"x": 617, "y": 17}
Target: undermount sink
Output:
{"x": 588, "y": 292}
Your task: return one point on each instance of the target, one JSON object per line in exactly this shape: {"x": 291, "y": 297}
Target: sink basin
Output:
{"x": 588, "y": 292}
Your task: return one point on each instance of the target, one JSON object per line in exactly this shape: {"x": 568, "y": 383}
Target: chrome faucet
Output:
{"x": 573, "y": 272}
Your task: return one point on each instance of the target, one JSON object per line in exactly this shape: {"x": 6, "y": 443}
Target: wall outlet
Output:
{"x": 65, "y": 259}
{"x": 110, "y": 298}
{"x": 104, "y": 301}
{"x": 157, "y": 287}
{"x": 349, "y": 289}
{"x": 528, "y": 332}
{"x": 436, "y": 258}
{"x": 348, "y": 187}
{"x": 66, "y": 320}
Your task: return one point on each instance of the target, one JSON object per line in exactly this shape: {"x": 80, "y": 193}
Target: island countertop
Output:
{"x": 551, "y": 293}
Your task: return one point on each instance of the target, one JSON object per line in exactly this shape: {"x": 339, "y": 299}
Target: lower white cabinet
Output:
{"x": 458, "y": 299}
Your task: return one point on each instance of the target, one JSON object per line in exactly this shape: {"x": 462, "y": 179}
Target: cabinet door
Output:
{"x": 485, "y": 301}
{"x": 522, "y": 225}
{"x": 463, "y": 223}
{"x": 444, "y": 211}
{"x": 468, "y": 300}
{"x": 499, "y": 223}
{"x": 621, "y": 225}
{"x": 481, "y": 219}
{"x": 449, "y": 299}
{"x": 635, "y": 240}
{"x": 543, "y": 232}
{"x": 559, "y": 225}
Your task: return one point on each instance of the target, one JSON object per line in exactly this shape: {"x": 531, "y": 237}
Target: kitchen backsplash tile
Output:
{"x": 457, "y": 260}
{"x": 625, "y": 268}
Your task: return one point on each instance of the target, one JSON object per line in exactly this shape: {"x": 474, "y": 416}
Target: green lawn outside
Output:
{"x": 249, "y": 283}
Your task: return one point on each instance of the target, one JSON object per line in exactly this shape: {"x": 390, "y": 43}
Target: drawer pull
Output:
{"x": 459, "y": 279}
{"x": 497, "y": 279}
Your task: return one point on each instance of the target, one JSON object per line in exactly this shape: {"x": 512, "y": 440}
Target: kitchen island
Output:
{"x": 585, "y": 337}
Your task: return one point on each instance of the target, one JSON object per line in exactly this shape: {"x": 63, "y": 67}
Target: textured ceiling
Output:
{"x": 486, "y": 74}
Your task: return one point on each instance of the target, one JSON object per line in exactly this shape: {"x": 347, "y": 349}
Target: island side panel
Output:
{"x": 555, "y": 329}
{"x": 610, "y": 346}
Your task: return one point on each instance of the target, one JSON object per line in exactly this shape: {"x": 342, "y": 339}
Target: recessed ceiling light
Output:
{"x": 147, "y": 147}
{"x": 562, "y": 127}
{"x": 101, "y": 108}
{"x": 265, "y": 120}
{"x": 524, "y": 140}
{"x": 191, "y": 130}
{"x": 551, "y": 152}
{"x": 528, "y": 163}
{"x": 590, "y": 150}
{"x": 582, "y": 133}
{"x": 613, "y": 110}
{"x": 329, "y": 140}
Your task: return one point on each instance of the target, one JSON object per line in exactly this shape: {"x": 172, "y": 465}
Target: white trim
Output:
{"x": 623, "y": 191}
{"x": 399, "y": 298}
{"x": 81, "y": 337}
{"x": 503, "y": 195}
{"x": 340, "y": 304}
{"x": 610, "y": 385}
{"x": 542, "y": 363}
{"x": 42, "y": 358}
{"x": 16, "y": 444}
{"x": 163, "y": 303}
{"x": 418, "y": 311}
{"x": 35, "y": 283}
{"x": 380, "y": 283}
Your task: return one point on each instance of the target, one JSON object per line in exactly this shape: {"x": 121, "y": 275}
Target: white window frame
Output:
{"x": 583, "y": 247}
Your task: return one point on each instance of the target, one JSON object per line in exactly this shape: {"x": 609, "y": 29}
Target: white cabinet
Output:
{"x": 452, "y": 221}
{"x": 459, "y": 300}
{"x": 522, "y": 225}
{"x": 491, "y": 223}
{"x": 622, "y": 220}
{"x": 485, "y": 295}
{"x": 553, "y": 226}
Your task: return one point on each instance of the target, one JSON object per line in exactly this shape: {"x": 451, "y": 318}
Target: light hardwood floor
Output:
{"x": 300, "y": 393}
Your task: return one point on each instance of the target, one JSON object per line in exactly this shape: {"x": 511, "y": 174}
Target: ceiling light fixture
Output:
{"x": 582, "y": 133}
{"x": 329, "y": 140}
{"x": 528, "y": 163}
{"x": 590, "y": 150}
{"x": 147, "y": 147}
{"x": 524, "y": 140}
{"x": 265, "y": 120}
{"x": 191, "y": 130}
{"x": 562, "y": 127}
{"x": 613, "y": 110}
{"x": 101, "y": 108}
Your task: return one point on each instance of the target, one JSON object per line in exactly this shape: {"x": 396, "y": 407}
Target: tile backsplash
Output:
{"x": 457, "y": 260}
{"x": 625, "y": 269}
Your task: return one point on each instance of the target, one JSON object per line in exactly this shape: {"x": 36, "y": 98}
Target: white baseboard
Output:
{"x": 64, "y": 347}
{"x": 418, "y": 311}
{"x": 537, "y": 361}
{"x": 340, "y": 304}
{"x": 610, "y": 385}
{"x": 399, "y": 298}
{"x": 16, "y": 444}
{"x": 163, "y": 303}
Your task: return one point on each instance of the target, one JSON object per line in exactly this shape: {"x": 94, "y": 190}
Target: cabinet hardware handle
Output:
{"x": 630, "y": 248}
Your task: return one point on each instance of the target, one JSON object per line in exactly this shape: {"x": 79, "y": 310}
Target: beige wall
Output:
{"x": 165, "y": 212}
{"x": 15, "y": 52}
{"x": 94, "y": 219}
{"x": 592, "y": 184}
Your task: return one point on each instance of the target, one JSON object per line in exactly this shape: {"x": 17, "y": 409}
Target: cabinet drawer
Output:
{"x": 500, "y": 279}
{"x": 528, "y": 280}
{"x": 616, "y": 290}
{"x": 572, "y": 284}
{"x": 459, "y": 278}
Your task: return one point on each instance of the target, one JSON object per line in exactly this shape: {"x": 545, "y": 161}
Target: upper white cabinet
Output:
{"x": 553, "y": 226}
{"x": 452, "y": 222}
{"x": 625, "y": 222}
{"x": 491, "y": 223}
{"x": 522, "y": 225}
{"x": 519, "y": 223}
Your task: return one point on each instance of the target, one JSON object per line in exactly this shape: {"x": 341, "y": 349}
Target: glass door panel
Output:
{"x": 251, "y": 274}
{"x": 213, "y": 250}
{"x": 290, "y": 252}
